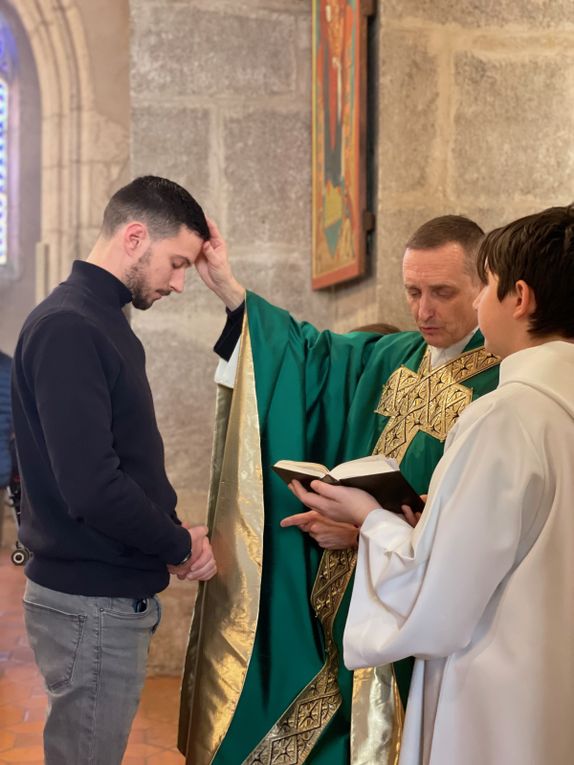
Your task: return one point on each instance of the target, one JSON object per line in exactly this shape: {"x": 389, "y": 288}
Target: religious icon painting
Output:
{"x": 339, "y": 140}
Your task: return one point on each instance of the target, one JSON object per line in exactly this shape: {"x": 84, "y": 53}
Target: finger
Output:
{"x": 336, "y": 493}
{"x": 424, "y": 497}
{"x": 213, "y": 230}
{"x": 308, "y": 498}
{"x": 207, "y": 252}
{"x": 298, "y": 519}
{"x": 205, "y": 557}
{"x": 409, "y": 515}
{"x": 204, "y": 573}
{"x": 298, "y": 489}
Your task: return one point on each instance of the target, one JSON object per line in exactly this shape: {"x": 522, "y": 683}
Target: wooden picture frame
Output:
{"x": 340, "y": 217}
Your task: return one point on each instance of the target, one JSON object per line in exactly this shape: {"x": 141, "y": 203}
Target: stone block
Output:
{"x": 513, "y": 130}
{"x": 174, "y": 142}
{"x": 355, "y": 305}
{"x": 484, "y": 13}
{"x": 282, "y": 276}
{"x": 408, "y": 112}
{"x": 180, "y": 50}
{"x": 267, "y": 172}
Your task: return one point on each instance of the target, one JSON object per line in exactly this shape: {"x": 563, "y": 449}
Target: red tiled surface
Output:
{"x": 23, "y": 702}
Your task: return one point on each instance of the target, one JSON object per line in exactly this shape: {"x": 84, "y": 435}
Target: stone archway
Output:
{"x": 85, "y": 146}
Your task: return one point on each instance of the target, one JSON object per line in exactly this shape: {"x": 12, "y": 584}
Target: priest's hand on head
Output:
{"x": 339, "y": 503}
{"x": 213, "y": 267}
{"x": 330, "y": 535}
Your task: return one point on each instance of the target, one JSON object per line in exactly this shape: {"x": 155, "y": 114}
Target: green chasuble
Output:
{"x": 265, "y": 682}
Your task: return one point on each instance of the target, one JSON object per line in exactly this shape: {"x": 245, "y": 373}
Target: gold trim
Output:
{"x": 226, "y": 613}
{"x": 427, "y": 400}
{"x": 377, "y": 717}
{"x": 292, "y": 738}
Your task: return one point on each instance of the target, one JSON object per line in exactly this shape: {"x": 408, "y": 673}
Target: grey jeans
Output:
{"x": 92, "y": 653}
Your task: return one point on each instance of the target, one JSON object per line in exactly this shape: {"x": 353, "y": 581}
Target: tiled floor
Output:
{"x": 23, "y": 703}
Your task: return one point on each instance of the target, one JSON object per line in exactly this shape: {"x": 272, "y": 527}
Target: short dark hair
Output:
{"x": 164, "y": 206}
{"x": 446, "y": 229}
{"x": 538, "y": 249}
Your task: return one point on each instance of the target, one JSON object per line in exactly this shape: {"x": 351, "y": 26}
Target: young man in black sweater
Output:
{"x": 98, "y": 511}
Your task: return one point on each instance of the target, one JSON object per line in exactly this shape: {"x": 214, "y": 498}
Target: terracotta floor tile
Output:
{"x": 26, "y": 727}
{"x": 142, "y": 750}
{"x": 10, "y": 714}
{"x": 36, "y": 714}
{"x": 7, "y": 740}
{"x": 166, "y": 758}
{"x": 23, "y": 754}
{"x": 138, "y": 737}
{"x": 27, "y": 738}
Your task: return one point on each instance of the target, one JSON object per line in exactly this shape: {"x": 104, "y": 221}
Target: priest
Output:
{"x": 264, "y": 679}
{"x": 481, "y": 591}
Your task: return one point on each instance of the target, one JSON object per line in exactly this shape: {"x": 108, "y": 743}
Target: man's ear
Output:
{"x": 525, "y": 300}
{"x": 135, "y": 239}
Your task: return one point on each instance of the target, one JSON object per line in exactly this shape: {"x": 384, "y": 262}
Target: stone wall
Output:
{"x": 80, "y": 52}
{"x": 17, "y": 276}
{"x": 475, "y": 117}
{"x": 221, "y": 104}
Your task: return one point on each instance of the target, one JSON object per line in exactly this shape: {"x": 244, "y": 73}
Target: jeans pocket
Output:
{"x": 55, "y": 637}
{"x": 158, "y": 605}
{"x": 130, "y": 614}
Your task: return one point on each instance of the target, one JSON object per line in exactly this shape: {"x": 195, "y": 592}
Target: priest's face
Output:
{"x": 161, "y": 268}
{"x": 441, "y": 292}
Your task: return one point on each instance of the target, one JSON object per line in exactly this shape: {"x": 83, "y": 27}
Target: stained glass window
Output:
{"x": 7, "y": 74}
{"x": 3, "y": 171}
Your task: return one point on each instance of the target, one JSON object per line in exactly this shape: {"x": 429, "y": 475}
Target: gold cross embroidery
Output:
{"x": 427, "y": 400}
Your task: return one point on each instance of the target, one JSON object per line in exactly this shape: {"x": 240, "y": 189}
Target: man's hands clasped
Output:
{"x": 201, "y": 566}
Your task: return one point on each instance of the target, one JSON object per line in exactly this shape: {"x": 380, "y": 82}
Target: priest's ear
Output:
{"x": 524, "y": 301}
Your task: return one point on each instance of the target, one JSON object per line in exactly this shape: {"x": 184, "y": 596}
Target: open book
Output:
{"x": 377, "y": 474}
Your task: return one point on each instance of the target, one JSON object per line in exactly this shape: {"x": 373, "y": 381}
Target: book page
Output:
{"x": 375, "y": 463}
{"x": 309, "y": 468}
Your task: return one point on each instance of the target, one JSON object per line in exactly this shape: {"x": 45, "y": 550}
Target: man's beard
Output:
{"x": 137, "y": 284}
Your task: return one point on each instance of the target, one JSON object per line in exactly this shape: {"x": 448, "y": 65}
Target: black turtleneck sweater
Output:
{"x": 98, "y": 511}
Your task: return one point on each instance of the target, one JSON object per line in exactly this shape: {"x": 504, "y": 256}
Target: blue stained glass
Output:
{"x": 3, "y": 172}
{"x": 8, "y": 73}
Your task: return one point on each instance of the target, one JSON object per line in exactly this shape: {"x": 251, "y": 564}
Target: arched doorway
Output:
{"x": 20, "y": 174}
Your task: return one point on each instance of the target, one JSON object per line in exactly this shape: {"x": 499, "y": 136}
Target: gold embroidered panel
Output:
{"x": 294, "y": 735}
{"x": 427, "y": 400}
